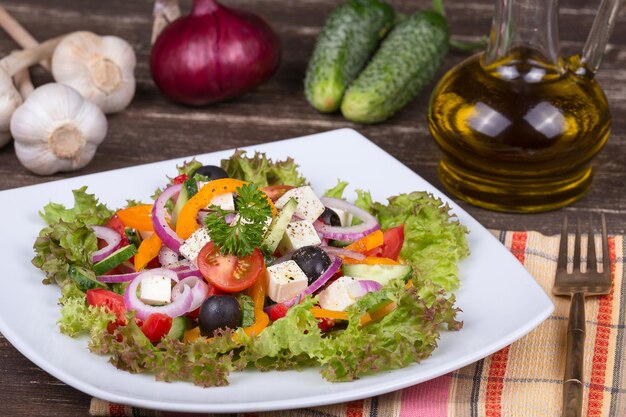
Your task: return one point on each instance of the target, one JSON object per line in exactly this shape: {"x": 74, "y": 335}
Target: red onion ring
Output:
{"x": 362, "y": 286}
{"x": 182, "y": 270}
{"x": 161, "y": 228}
{"x": 318, "y": 283}
{"x": 167, "y": 256}
{"x": 369, "y": 223}
{"x": 176, "y": 308}
{"x": 111, "y": 237}
{"x": 199, "y": 290}
{"x": 331, "y": 250}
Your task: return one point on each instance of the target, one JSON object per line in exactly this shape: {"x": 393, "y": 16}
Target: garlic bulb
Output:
{"x": 10, "y": 99}
{"x": 57, "y": 130}
{"x": 99, "y": 68}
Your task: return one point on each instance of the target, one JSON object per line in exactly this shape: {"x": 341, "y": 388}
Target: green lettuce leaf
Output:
{"x": 406, "y": 335}
{"x": 247, "y": 310}
{"x": 77, "y": 318}
{"x": 261, "y": 170}
{"x": 68, "y": 239}
{"x": 337, "y": 190}
{"x": 203, "y": 363}
{"x": 434, "y": 241}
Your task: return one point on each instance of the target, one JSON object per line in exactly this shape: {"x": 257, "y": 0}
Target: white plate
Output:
{"x": 500, "y": 301}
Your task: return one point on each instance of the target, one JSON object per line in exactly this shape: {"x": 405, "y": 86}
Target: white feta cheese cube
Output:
{"x": 309, "y": 206}
{"x": 224, "y": 201}
{"x": 298, "y": 234}
{"x": 285, "y": 281}
{"x": 156, "y": 289}
{"x": 338, "y": 295}
{"x": 194, "y": 243}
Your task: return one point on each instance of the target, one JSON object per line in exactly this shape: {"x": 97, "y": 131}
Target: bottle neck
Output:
{"x": 524, "y": 25}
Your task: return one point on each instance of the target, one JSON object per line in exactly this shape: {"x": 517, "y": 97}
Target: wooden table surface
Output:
{"x": 154, "y": 129}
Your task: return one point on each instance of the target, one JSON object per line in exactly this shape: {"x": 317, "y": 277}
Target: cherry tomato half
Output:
{"x": 156, "y": 326}
{"x": 393, "y": 239}
{"x": 113, "y": 302}
{"x": 227, "y": 272}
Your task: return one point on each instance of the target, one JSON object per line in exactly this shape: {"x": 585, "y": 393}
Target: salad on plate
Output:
{"x": 243, "y": 266}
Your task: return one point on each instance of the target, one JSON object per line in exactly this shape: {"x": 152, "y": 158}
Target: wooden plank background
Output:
{"x": 154, "y": 129}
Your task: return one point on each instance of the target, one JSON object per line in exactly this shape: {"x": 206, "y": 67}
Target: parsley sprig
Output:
{"x": 246, "y": 233}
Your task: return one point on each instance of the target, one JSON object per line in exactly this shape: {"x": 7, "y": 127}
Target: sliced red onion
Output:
{"x": 369, "y": 223}
{"x": 318, "y": 283}
{"x": 111, "y": 237}
{"x": 176, "y": 308}
{"x": 167, "y": 256}
{"x": 360, "y": 287}
{"x": 199, "y": 290}
{"x": 331, "y": 250}
{"x": 161, "y": 228}
{"x": 183, "y": 269}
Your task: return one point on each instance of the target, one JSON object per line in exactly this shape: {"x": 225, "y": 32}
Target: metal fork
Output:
{"x": 579, "y": 284}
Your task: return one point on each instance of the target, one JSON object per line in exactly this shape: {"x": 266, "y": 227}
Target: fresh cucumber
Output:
{"x": 378, "y": 272}
{"x": 177, "y": 331}
{"x": 114, "y": 259}
{"x": 85, "y": 280}
{"x": 188, "y": 190}
{"x": 348, "y": 39}
{"x": 279, "y": 224}
{"x": 406, "y": 61}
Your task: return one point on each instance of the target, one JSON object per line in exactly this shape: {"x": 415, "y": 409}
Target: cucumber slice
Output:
{"x": 114, "y": 259}
{"x": 279, "y": 224}
{"x": 83, "y": 279}
{"x": 177, "y": 331}
{"x": 188, "y": 190}
{"x": 380, "y": 273}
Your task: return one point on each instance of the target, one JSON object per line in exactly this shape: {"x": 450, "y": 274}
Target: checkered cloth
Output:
{"x": 523, "y": 379}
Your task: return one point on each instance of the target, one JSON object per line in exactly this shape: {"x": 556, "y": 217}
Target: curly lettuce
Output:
{"x": 68, "y": 239}
{"x": 434, "y": 240}
{"x": 261, "y": 170}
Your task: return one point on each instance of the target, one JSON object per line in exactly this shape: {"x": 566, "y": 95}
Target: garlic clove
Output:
{"x": 10, "y": 99}
{"x": 56, "y": 129}
{"x": 99, "y": 68}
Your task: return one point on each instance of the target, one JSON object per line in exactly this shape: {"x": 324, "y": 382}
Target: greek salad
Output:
{"x": 244, "y": 265}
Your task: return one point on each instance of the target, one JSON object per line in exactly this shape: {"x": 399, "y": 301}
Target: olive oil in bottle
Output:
{"x": 518, "y": 135}
{"x": 518, "y": 125}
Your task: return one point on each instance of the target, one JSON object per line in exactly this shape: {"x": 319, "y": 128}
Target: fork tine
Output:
{"x": 591, "y": 248}
{"x": 605, "y": 246}
{"x": 561, "y": 263}
{"x": 577, "y": 246}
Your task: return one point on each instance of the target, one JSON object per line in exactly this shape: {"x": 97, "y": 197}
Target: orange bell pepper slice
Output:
{"x": 137, "y": 217}
{"x": 186, "y": 223}
{"x": 191, "y": 335}
{"x": 147, "y": 251}
{"x": 367, "y": 318}
{"x": 368, "y": 242}
{"x": 370, "y": 260}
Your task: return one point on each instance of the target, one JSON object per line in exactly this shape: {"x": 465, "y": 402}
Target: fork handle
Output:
{"x": 573, "y": 378}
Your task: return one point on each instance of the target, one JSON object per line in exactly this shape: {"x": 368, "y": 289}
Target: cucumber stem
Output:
{"x": 438, "y": 7}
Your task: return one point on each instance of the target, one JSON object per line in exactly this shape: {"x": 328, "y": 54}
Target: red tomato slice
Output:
{"x": 274, "y": 192}
{"x": 156, "y": 326}
{"x": 278, "y": 312}
{"x": 227, "y": 272}
{"x": 393, "y": 239}
{"x": 113, "y": 302}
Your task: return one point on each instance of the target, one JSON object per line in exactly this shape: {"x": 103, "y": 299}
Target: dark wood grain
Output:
{"x": 154, "y": 129}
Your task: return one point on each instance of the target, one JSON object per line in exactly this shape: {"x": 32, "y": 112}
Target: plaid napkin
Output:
{"x": 523, "y": 379}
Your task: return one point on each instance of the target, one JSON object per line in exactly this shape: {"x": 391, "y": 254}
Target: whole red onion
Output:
{"x": 213, "y": 54}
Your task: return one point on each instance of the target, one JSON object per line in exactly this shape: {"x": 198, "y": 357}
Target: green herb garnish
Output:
{"x": 246, "y": 232}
